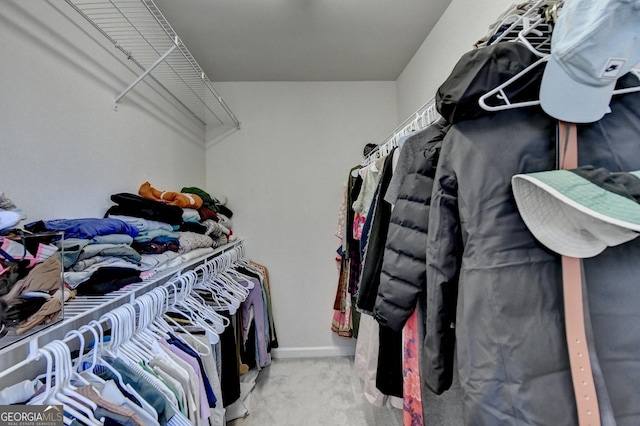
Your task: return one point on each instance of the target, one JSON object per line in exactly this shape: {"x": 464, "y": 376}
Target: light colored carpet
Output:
{"x": 313, "y": 391}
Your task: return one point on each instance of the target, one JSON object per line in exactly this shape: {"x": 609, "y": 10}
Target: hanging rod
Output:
{"x": 421, "y": 119}
{"x": 82, "y": 309}
{"x": 527, "y": 29}
{"x": 140, "y": 31}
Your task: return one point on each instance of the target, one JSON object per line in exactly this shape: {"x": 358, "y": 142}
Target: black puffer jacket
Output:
{"x": 404, "y": 266}
{"x": 503, "y": 290}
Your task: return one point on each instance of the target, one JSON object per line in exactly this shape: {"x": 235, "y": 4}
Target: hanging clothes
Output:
{"x": 403, "y": 273}
{"x": 375, "y": 239}
{"x": 364, "y": 200}
{"x": 342, "y": 322}
{"x": 365, "y": 363}
{"x": 262, "y": 274}
{"x": 404, "y": 268}
{"x": 378, "y": 359}
{"x": 411, "y": 148}
{"x": 487, "y": 274}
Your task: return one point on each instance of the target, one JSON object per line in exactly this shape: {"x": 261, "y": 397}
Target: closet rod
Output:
{"x": 421, "y": 119}
{"x": 36, "y": 352}
{"x": 22, "y": 349}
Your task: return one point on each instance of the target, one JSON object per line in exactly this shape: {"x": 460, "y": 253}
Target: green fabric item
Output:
{"x": 580, "y": 212}
{"x": 592, "y": 197}
{"x": 173, "y": 391}
{"x": 153, "y": 396}
{"x": 199, "y": 192}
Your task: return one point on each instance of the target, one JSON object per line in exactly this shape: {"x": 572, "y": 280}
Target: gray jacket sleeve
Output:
{"x": 444, "y": 253}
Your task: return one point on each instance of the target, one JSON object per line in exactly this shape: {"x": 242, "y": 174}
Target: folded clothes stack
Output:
{"x": 138, "y": 236}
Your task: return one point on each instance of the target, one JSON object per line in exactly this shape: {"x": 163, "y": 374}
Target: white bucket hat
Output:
{"x": 594, "y": 43}
{"x": 579, "y": 212}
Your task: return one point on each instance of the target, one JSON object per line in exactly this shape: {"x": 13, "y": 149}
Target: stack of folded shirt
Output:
{"x": 213, "y": 217}
{"x": 137, "y": 206}
{"x": 96, "y": 251}
{"x": 156, "y": 222}
{"x": 201, "y": 214}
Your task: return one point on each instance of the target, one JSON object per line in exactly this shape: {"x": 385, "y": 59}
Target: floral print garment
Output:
{"x": 412, "y": 397}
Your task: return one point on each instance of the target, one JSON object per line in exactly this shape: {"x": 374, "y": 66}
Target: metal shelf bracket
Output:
{"x": 148, "y": 70}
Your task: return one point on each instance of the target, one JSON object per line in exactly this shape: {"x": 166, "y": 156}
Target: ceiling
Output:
{"x": 302, "y": 40}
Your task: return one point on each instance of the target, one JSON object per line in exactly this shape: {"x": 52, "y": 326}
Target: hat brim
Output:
{"x": 572, "y": 216}
{"x": 566, "y": 99}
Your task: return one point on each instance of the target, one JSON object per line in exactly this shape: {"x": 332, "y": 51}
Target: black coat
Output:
{"x": 502, "y": 290}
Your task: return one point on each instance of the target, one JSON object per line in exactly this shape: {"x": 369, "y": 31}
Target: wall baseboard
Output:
{"x": 313, "y": 352}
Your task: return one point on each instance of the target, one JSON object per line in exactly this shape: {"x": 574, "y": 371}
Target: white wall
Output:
{"x": 64, "y": 149}
{"x": 283, "y": 174}
{"x": 463, "y": 23}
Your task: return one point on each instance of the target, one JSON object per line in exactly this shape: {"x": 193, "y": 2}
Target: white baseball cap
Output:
{"x": 593, "y": 43}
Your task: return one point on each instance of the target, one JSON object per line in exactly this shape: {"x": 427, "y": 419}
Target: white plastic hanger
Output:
{"x": 88, "y": 372}
{"x": 48, "y": 376}
{"x": 219, "y": 286}
{"x": 105, "y": 349}
{"x": 194, "y": 301}
{"x": 53, "y": 392}
{"x": 177, "y": 307}
{"x": 198, "y": 304}
{"x": 119, "y": 337}
{"x": 158, "y": 298}
{"x": 229, "y": 289}
{"x": 218, "y": 301}
{"x": 497, "y": 97}
{"x": 183, "y": 301}
{"x": 67, "y": 392}
{"x": 49, "y": 389}
{"x": 146, "y": 330}
{"x": 501, "y": 96}
{"x": 134, "y": 343}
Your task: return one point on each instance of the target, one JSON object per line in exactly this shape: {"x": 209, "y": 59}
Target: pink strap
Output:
{"x": 581, "y": 374}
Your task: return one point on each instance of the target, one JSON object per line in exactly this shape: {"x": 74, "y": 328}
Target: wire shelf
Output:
{"x": 81, "y": 309}
{"x": 138, "y": 29}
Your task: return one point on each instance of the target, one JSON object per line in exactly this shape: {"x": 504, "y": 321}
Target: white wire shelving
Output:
{"x": 138, "y": 29}
{"x": 82, "y": 309}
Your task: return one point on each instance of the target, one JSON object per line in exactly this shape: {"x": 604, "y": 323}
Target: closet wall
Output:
{"x": 296, "y": 144}
{"x": 461, "y": 25}
{"x": 64, "y": 149}
{"x": 283, "y": 174}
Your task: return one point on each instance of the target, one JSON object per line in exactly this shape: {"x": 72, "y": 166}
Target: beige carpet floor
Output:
{"x": 313, "y": 392}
